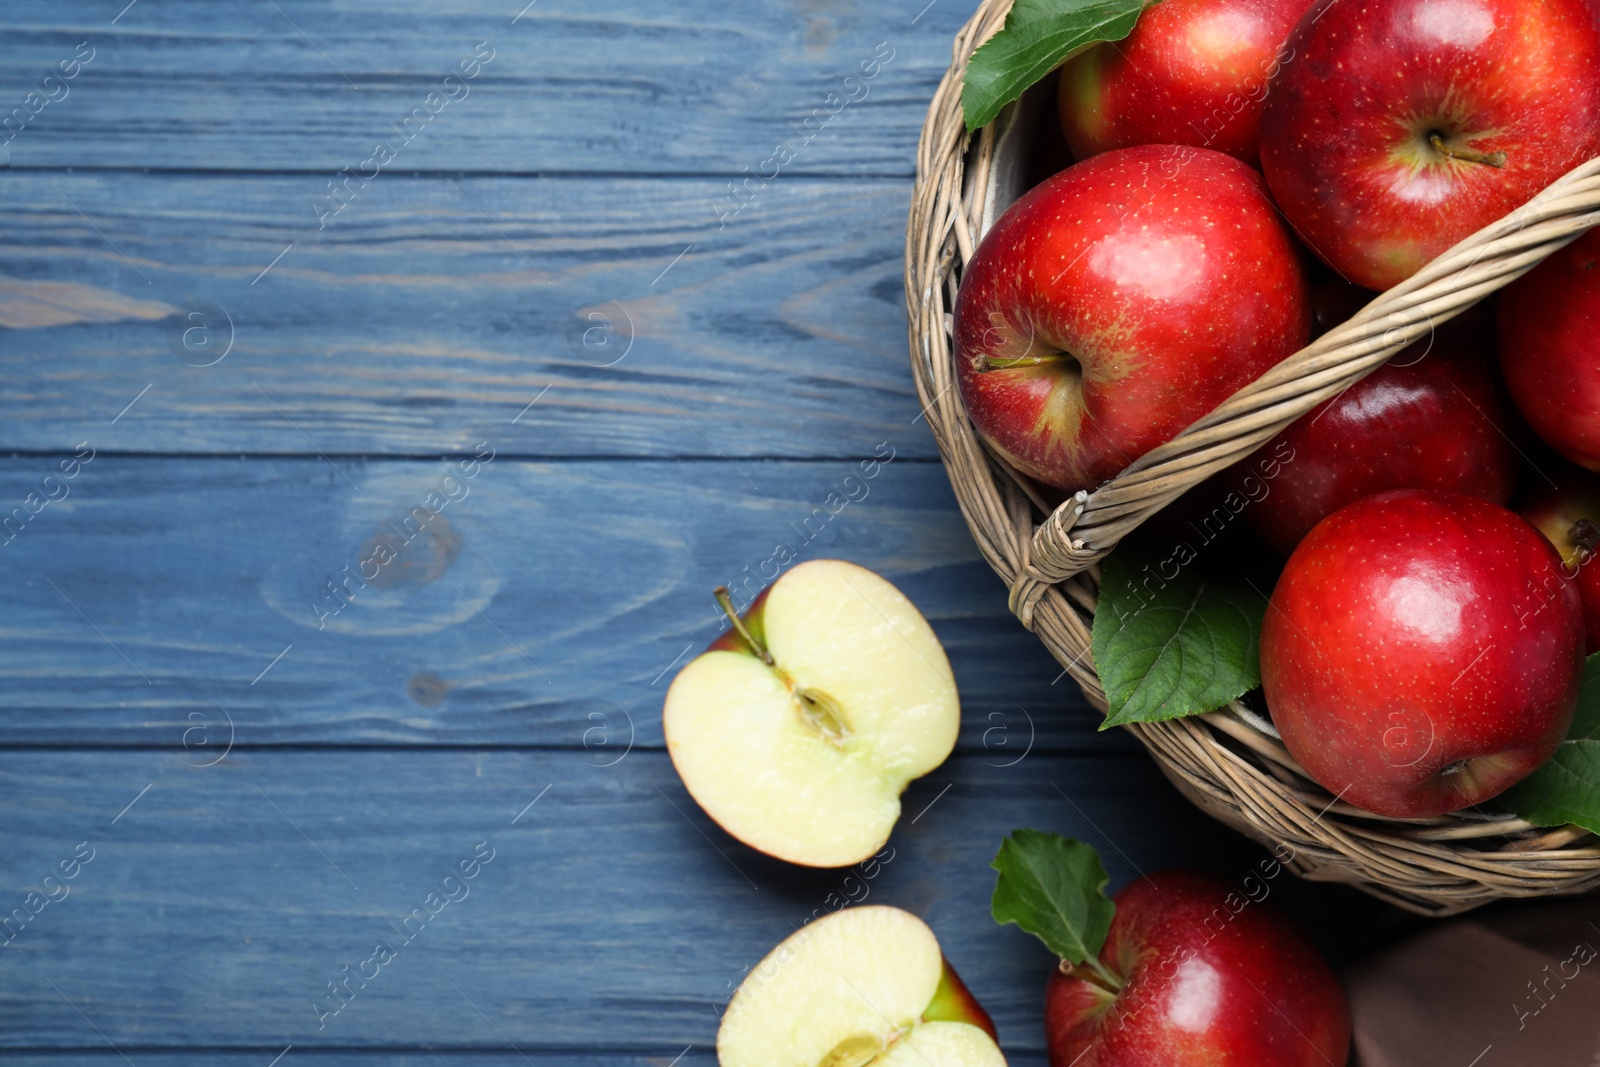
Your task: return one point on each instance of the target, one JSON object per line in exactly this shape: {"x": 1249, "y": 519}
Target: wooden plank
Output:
{"x": 219, "y": 901}
{"x": 432, "y": 312}
{"x": 547, "y": 604}
{"x": 628, "y": 87}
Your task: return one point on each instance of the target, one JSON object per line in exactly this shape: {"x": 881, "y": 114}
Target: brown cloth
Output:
{"x": 1500, "y": 989}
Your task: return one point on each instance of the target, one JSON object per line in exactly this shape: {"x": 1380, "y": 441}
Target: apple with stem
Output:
{"x": 1402, "y": 126}
{"x": 1181, "y": 969}
{"x": 866, "y": 985}
{"x": 1568, "y": 513}
{"x": 1422, "y": 652}
{"x": 798, "y": 731}
{"x": 1433, "y": 417}
{"x": 1120, "y": 301}
{"x": 1192, "y": 72}
{"x": 1549, "y": 319}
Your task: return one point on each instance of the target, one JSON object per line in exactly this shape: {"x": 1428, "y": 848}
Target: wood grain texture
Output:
{"x": 547, "y": 604}
{"x": 628, "y": 86}
{"x": 612, "y": 915}
{"x": 431, "y": 312}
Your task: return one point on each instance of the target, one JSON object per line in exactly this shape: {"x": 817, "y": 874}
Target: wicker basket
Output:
{"x": 1230, "y": 763}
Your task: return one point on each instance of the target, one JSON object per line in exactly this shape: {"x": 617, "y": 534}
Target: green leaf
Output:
{"x": 1567, "y": 789}
{"x": 1586, "y": 720}
{"x": 1038, "y": 36}
{"x": 1165, "y": 648}
{"x": 1054, "y": 888}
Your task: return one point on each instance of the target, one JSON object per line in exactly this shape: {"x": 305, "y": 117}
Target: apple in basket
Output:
{"x": 798, "y": 730}
{"x": 862, "y": 986}
{"x": 1422, "y": 652}
{"x": 1549, "y": 338}
{"x": 1433, "y": 417}
{"x": 1192, "y": 72}
{"x": 1399, "y": 127}
{"x": 1118, "y": 302}
{"x": 1568, "y": 513}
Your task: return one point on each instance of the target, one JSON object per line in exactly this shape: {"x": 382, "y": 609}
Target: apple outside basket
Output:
{"x": 1230, "y": 763}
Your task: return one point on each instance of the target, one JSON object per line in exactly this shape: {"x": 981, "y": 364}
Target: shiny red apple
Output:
{"x": 1192, "y": 72}
{"x": 1402, "y": 126}
{"x": 1118, "y": 302}
{"x": 1210, "y": 976}
{"x": 1568, "y": 513}
{"x": 1549, "y": 327}
{"x": 1433, "y": 417}
{"x": 1422, "y": 652}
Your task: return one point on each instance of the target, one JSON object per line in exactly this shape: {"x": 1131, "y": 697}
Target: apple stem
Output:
{"x": 726, "y": 603}
{"x": 1466, "y": 155}
{"x": 1098, "y": 974}
{"x": 1586, "y": 535}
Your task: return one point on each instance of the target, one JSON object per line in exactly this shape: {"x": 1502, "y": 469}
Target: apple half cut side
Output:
{"x": 862, "y": 986}
{"x": 798, "y": 733}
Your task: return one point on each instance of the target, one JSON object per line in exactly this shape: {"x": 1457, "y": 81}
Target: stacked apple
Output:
{"x": 1424, "y": 644}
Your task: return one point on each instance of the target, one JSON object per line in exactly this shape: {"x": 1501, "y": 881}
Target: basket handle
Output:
{"x": 1087, "y": 527}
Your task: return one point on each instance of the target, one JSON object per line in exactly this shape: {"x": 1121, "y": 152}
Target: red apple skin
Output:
{"x": 954, "y": 1002}
{"x": 1422, "y": 652}
{"x": 1556, "y": 511}
{"x": 1211, "y": 979}
{"x": 1433, "y": 417}
{"x": 1192, "y": 72}
{"x": 1123, "y": 298}
{"x": 1549, "y": 320}
{"x": 1345, "y": 131}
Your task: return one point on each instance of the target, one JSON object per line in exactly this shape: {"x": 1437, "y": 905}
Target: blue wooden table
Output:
{"x": 532, "y": 298}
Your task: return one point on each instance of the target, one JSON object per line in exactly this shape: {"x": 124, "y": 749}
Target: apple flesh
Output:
{"x": 1192, "y": 72}
{"x": 1422, "y": 652}
{"x": 1118, "y": 302}
{"x": 1568, "y": 513}
{"x": 1433, "y": 417}
{"x": 1402, "y": 126}
{"x": 1549, "y": 320}
{"x": 865, "y": 985}
{"x": 1202, "y": 976}
{"x": 799, "y": 739}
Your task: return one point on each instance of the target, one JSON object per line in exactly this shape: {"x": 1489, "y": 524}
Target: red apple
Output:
{"x": 1209, "y": 977}
{"x": 1422, "y": 652}
{"x": 1402, "y": 126}
{"x": 1118, "y": 302}
{"x": 1549, "y": 321}
{"x": 1192, "y": 72}
{"x": 1433, "y": 417}
{"x": 1568, "y": 513}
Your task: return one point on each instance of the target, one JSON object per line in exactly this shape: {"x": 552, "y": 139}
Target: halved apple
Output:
{"x": 862, "y": 986}
{"x": 799, "y": 729}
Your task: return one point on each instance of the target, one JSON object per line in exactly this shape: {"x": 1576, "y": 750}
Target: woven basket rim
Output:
{"x": 1227, "y": 763}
